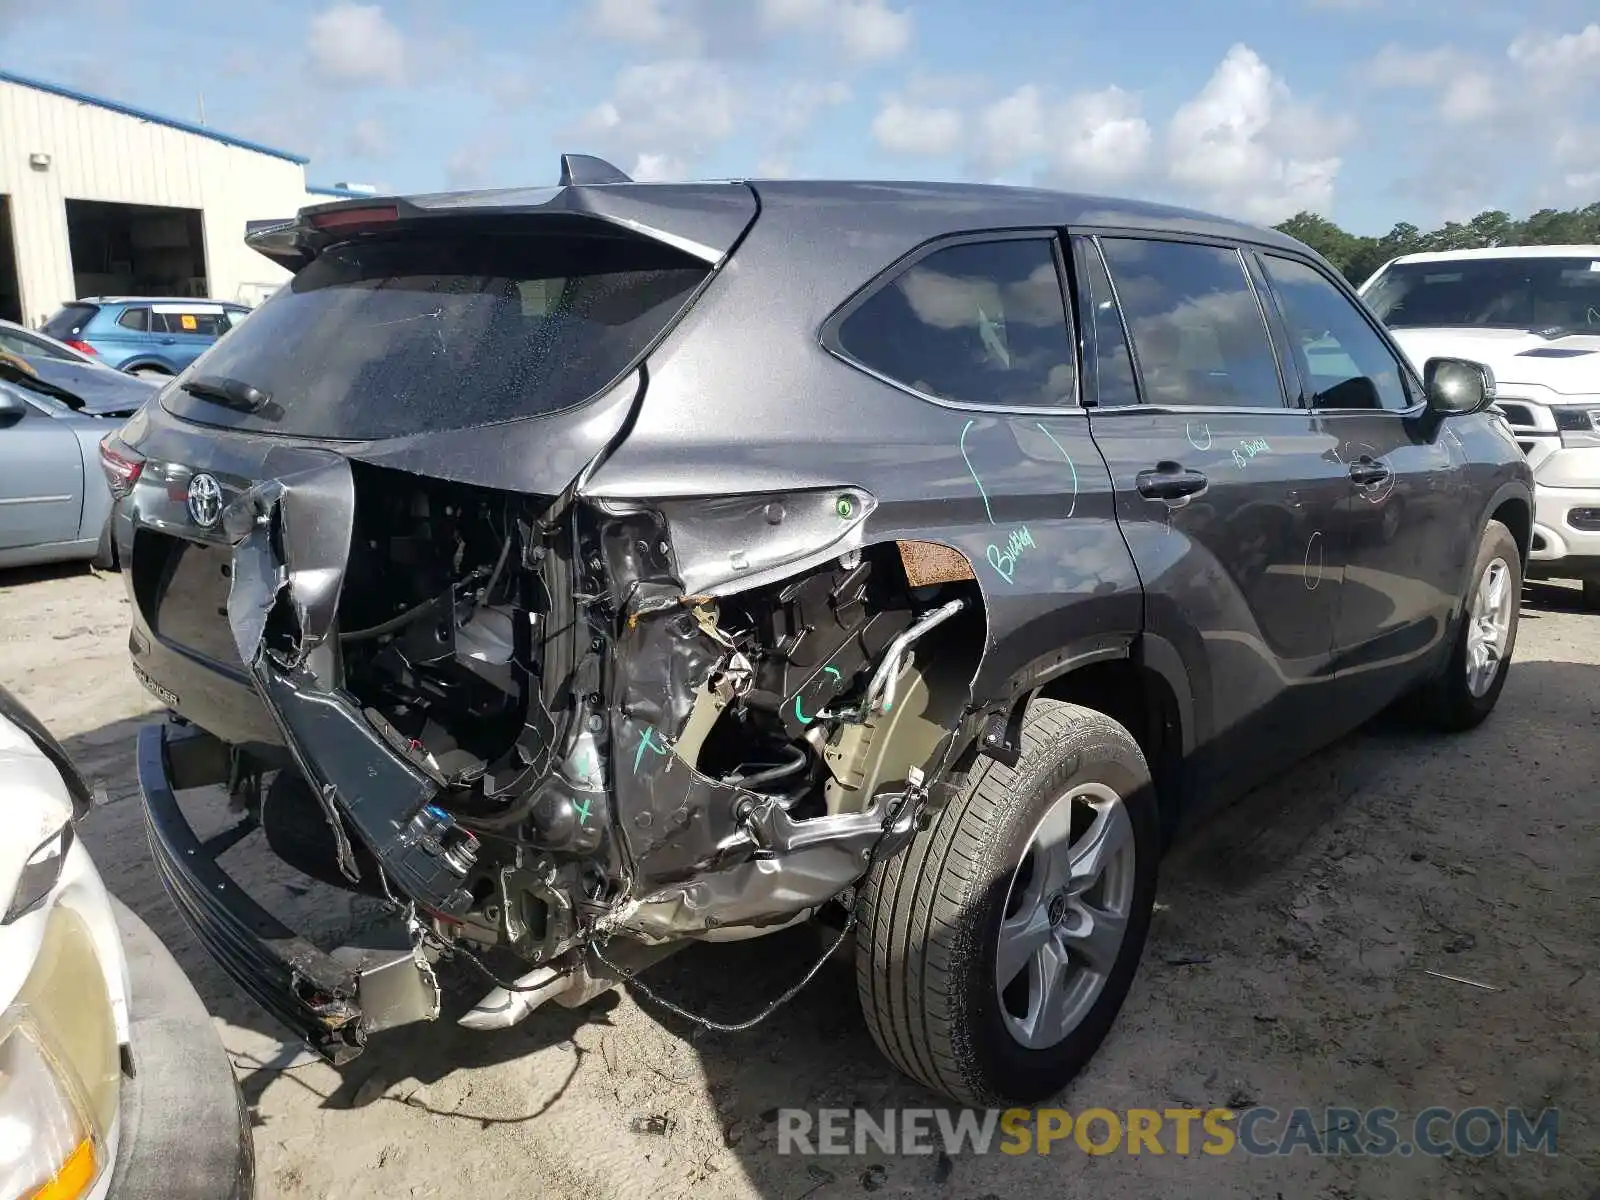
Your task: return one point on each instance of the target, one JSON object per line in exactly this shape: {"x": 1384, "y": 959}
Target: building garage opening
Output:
{"x": 135, "y": 249}
{"x": 10, "y": 289}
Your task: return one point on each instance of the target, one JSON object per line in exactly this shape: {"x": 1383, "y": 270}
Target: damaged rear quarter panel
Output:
{"x": 1024, "y": 495}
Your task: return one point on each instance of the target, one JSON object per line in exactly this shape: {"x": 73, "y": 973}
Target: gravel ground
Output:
{"x": 1286, "y": 966}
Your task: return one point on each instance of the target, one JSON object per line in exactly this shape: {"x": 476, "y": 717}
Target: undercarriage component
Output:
{"x": 571, "y": 985}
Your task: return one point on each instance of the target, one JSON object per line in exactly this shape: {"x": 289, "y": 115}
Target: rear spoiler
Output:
{"x": 704, "y": 220}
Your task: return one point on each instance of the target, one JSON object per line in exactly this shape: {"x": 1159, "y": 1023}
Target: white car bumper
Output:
{"x": 1566, "y": 532}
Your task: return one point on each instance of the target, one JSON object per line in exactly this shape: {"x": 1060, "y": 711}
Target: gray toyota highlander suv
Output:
{"x": 590, "y": 570}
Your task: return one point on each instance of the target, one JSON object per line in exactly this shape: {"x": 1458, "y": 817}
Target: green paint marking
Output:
{"x": 583, "y": 810}
{"x": 800, "y": 716}
{"x": 834, "y": 671}
{"x": 845, "y": 507}
{"x": 647, "y": 741}
{"x": 1072, "y": 465}
{"x": 963, "y": 446}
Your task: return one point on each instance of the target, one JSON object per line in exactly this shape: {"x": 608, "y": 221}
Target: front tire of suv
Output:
{"x": 995, "y": 952}
{"x": 1466, "y": 691}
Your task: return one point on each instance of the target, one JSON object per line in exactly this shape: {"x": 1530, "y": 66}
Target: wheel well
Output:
{"x": 1140, "y": 701}
{"x": 1514, "y": 515}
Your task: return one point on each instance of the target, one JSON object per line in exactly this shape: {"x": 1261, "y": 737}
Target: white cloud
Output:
{"x": 1242, "y": 143}
{"x": 1103, "y": 138}
{"x": 1012, "y": 129}
{"x": 1464, "y": 85}
{"x": 665, "y": 114}
{"x": 631, "y": 20}
{"x": 870, "y": 30}
{"x": 866, "y": 30}
{"x": 1560, "y": 59}
{"x": 356, "y": 44}
{"x": 1087, "y": 140}
{"x": 367, "y": 138}
{"x": 911, "y": 129}
{"x": 658, "y": 168}
{"x": 1530, "y": 104}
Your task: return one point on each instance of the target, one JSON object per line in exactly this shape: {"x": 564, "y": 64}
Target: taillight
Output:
{"x": 351, "y": 219}
{"x": 81, "y": 347}
{"x": 121, "y": 466}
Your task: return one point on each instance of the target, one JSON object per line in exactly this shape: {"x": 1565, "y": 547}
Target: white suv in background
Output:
{"x": 1532, "y": 314}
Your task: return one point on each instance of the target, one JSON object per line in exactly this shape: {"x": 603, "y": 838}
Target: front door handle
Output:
{"x": 1367, "y": 471}
{"x": 1170, "y": 481}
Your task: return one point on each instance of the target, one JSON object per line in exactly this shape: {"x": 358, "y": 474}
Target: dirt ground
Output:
{"x": 1286, "y": 966}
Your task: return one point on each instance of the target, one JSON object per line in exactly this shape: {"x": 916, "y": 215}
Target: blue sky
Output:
{"x": 1369, "y": 111}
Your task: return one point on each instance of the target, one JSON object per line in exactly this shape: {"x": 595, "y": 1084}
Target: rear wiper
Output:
{"x": 15, "y": 371}
{"x": 234, "y": 393}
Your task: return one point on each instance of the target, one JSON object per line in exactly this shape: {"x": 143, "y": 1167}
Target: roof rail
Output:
{"x": 586, "y": 168}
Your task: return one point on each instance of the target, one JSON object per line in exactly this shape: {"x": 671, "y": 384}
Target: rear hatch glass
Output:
{"x": 69, "y": 322}
{"x": 428, "y": 331}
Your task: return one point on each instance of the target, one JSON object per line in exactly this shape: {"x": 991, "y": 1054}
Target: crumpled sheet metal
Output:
{"x": 291, "y": 539}
{"x": 673, "y": 818}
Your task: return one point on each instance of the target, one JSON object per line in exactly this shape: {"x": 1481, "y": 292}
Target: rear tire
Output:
{"x": 1455, "y": 701}
{"x": 150, "y": 373}
{"x": 984, "y": 876}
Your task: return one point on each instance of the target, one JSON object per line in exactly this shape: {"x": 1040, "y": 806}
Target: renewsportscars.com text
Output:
{"x": 1259, "y": 1131}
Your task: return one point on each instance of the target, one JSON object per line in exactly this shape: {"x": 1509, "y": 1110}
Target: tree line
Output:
{"x": 1358, "y": 257}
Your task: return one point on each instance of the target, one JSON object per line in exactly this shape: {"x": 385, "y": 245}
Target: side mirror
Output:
{"x": 1457, "y": 385}
{"x": 12, "y": 407}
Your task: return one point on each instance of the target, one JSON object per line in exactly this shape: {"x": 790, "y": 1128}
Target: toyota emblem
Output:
{"x": 205, "y": 500}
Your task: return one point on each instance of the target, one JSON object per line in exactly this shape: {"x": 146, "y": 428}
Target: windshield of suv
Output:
{"x": 1501, "y": 293}
{"x": 425, "y": 332}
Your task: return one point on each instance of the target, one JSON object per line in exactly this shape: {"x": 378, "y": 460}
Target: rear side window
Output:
{"x": 417, "y": 333}
{"x": 1198, "y": 332}
{"x": 137, "y": 319}
{"x": 69, "y": 322}
{"x": 976, "y": 323}
{"x": 194, "y": 324}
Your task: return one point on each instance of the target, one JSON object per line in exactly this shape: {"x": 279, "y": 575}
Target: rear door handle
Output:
{"x": 1170, "y": 481}
{"x": 1367, "y": 471}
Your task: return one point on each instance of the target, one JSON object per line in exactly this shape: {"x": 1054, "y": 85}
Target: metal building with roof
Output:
{"x": 100, "y": 198}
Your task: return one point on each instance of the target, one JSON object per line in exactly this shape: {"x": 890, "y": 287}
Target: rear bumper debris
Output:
{"x": 331, "y": 1005}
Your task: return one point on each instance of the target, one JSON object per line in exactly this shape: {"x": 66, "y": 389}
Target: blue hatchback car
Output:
{"x": 144, "y": 335}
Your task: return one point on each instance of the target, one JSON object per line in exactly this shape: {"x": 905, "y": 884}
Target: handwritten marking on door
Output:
{"x": 965, "y": 429}
{"x": 1312, "y": 570}
{"x": 1247, "y": 450}
{"x": 1004, "y": 557}
{"x": 1005, "y": 561}
{"x": 1071, "y": 466}
{"x": 1189, "y": 428}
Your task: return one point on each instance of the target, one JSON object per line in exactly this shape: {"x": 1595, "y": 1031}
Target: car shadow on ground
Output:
{"x": 1541, "y": 595}
{"x": 816, "y": 1052}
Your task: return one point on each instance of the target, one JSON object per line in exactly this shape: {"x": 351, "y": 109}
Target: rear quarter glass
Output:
{"x": 408, "y": 334}
{"x": 69, "y": 321}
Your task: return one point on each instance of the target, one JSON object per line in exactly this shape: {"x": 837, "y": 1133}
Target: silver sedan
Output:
{"x": 54, "y": 496}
